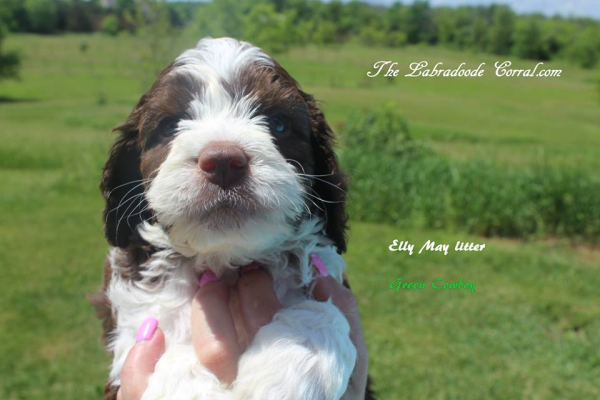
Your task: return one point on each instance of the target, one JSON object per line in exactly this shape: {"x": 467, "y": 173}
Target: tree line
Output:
{"x": 277, "y": 25}
{"x": 495, "y": 29}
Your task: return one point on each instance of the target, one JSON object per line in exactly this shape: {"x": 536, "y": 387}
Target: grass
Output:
{"x": 515, "y": 120}
{"x": 531, "y": 330}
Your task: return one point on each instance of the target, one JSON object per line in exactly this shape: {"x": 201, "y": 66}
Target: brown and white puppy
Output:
{"x": 226, "y": 162}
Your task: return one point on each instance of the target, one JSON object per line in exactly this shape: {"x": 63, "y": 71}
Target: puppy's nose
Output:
{"x": 223, "y": 163}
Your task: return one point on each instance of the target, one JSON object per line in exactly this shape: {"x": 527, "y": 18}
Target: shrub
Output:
{"x": 398, "y": 180}
{"x": 325, "y": 32}
{"x": 110, "y": 25}
{"x": 372, "y": 36}
{"x": 585, "y": 50}
{"x": 395, "y": 39}
{"x": 9, "y": 61}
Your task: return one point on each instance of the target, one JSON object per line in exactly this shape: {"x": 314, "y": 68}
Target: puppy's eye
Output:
{"x": 278, "y": 126}
{"x": 169, "y": 127}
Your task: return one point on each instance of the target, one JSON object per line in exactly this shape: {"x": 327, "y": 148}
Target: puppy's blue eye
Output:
{"x": 278, "y": 125}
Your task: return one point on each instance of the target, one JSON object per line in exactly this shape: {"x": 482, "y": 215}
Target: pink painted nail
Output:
{"x": 207, "y": 277}
{"x": 253, "y": 266}
{"x": 319, "y": 264}
{"x": 146, "y": 330}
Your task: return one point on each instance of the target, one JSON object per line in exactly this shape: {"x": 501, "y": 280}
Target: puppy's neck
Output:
{"x": 231, "y": 251}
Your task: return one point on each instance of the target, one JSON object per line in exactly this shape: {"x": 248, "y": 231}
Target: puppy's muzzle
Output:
{"x": 224, "y": 164}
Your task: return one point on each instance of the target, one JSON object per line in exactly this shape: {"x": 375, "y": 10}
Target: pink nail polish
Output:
{"x": 253, "y": 266}
{"x": 319, "y": 264}
{"x": 146, "y": 330}
{"x": 208, "y": 276}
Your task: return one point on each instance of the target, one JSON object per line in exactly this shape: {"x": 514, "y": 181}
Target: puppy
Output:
{"x": 225, "y": 162}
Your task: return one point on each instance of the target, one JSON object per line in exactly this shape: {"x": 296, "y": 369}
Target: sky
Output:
{"x": 579, "y": 8}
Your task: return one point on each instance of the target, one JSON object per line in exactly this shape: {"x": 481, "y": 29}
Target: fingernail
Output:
{"x": 253, "y": 266}
{"x": 207, "y": 277}
{"x": 319, "y": 264}
{"x": 146, "y": 330}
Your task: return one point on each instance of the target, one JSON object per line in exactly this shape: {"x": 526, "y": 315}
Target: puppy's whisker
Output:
{"x": 131, "y": 190}
{"x": 315, "y": 204}
{"x": 140, "y": 202}
{"x": 141, "y": 211}
{"x": 127, "y": 183}
{"x": 329, "y": 183}
{"x": 324, "y": 201}
{"x": 126, "y": 194}
{"x": 121, "y": 204}
{"x": 125, "y": 213}
{"x": 291, "y": 202}
{"x": 313, "y": 175}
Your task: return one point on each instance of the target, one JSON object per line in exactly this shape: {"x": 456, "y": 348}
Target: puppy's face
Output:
{"x": 227, "y": 152}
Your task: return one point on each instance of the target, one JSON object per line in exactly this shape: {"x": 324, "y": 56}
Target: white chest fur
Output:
{"x": 167, "y": 285}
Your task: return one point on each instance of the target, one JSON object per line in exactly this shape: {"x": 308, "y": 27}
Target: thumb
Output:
{"x": 141, "y": 360}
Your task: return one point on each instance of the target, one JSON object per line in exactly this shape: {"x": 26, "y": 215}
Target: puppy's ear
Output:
{"x": 122, "y": 184}
{"x": 330, "y": 183}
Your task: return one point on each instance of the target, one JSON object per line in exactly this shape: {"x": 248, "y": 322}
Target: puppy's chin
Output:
{"x": 224, "y": 233}
{"x": 227, "y": 211}
{"x": 223, "y": 218}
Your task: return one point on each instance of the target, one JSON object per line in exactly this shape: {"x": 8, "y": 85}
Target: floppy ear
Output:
{"x": 330, "y": 182}
{"x": 122, "y": 184}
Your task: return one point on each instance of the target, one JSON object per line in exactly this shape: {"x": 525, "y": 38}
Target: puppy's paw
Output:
{"x": 179, "y": 376}
{"x": 305, "y": 353}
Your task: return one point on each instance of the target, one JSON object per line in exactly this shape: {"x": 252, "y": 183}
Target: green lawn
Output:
{"x": 531, "y": 330}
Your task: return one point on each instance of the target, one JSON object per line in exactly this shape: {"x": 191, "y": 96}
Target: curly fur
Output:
{"x": 222, "y": 90}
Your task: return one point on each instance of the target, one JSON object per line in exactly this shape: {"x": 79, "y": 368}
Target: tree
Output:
{"x": 529, "y": 42}
{"x": 446, "y": 22}
{"x": 585, "y": 50}
{"x": 325, "y": 32}
{"x": 395, "y": 39}
{"x": 501, "y": 31}
{"x": 79, "y": 16}
{"x": 354, "y": 16}
{"x": 221, "y": 18}
{"x": 157, "y": 38}
{"x": 9, "y": 61}
{"x": 372, "y": 36}
{"x": 478, "y": 34}
{"x": 110, "y": 25}
{"x": 266, "y": 28}
{"x": 14, "y": 15}
{"x": 419, "y": 24}
{"x": 42, "y": 15}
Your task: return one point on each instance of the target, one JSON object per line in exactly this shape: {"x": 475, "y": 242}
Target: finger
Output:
{"x": 325, "y": 288}
{"x": 258, "y": 301}
{"x": 213, "y": 331}
{"x": 328, "y": 287}
{"x": 141, "y": 360}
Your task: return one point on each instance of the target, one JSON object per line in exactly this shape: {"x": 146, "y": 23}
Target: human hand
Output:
{"x": 214, "y": 336}
{"x": 216, "y": 341}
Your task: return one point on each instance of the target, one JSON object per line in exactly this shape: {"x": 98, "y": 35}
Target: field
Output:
{"x": 531, "y": 330}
